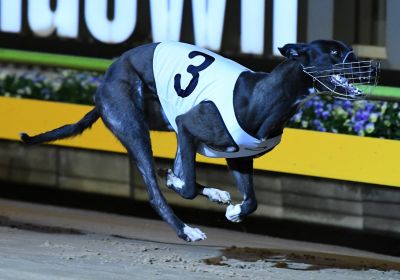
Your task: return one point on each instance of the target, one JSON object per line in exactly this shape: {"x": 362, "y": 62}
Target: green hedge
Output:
{"x": 61, "y": 85}
{"x": 363, "y": 118}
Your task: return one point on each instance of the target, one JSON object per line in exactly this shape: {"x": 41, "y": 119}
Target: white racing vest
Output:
{"x": 186, "y": 75}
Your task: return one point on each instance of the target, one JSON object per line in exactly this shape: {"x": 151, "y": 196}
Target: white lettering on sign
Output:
{"x": 208, "y": 22}
{"x": 111, "y": 31}
{"x": 166, "y": 19}
{"x": 284, "y": 25}
{"x": 64, "y": 20}
{"x": 252, "y": 22}
{"x": 10, "y": 15}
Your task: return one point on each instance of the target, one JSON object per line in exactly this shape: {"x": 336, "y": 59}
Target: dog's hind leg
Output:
{"x": 242, "y": 171}
{"x": 120, "y": 104}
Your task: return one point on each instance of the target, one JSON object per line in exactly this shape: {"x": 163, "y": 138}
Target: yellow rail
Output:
{"x": 337, "y": 156}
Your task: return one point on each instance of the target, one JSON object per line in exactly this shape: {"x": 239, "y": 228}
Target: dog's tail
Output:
{"x": 65, "y": 131}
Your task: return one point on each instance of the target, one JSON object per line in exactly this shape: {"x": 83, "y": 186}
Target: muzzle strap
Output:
{"x": 347, "y": 55}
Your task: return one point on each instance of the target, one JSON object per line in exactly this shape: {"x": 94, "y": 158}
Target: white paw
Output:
{"x": 174, "y": 181}
{"x": 233, "y": 213}
{"x": 216, "y": 195}
{"x": 193, "y": 234}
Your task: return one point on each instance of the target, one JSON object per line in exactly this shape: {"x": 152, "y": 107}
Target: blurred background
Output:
{"x": 336, "y": 169}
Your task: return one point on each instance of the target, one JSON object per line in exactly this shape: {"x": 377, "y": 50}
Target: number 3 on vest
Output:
{"x": 194, "y": 71}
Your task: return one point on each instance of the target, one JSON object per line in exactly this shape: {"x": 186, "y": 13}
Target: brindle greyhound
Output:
{"x": 262, "y": 104}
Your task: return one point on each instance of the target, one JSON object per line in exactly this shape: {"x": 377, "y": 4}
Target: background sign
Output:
{"x": 105, "y": 28}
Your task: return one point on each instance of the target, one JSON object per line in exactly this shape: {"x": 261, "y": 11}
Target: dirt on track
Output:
{"x": 46, "y": 242}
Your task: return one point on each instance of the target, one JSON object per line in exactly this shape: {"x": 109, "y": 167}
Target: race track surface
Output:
{"x": 47, "y": 242}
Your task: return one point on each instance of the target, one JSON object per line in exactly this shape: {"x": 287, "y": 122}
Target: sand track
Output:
{"x": 47, "y": 242}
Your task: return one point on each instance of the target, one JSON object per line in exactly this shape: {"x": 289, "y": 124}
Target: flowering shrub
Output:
{"x": 321, "y": 113}
{"x": 363, "y": 118}
{"x": 59, "y": 85}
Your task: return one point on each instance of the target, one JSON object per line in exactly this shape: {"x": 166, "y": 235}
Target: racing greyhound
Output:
{"x": 217, "y": 108}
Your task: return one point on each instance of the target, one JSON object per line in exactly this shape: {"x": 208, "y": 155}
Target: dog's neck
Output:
{"x": 264, "y": 102}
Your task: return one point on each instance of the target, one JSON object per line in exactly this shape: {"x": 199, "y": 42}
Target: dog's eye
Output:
{"x": 334, "y": 52}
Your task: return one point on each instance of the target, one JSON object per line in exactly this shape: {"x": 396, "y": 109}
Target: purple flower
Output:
{"x": 357, "y": 117}
{"x": 319, "y": 125}
{"x": 308, "y": 104}
{"x": 347, "y": 105}
{"x": 326, "y": 115}
{"x": 358, "y": 127}
{"x": 365, "y": 115}
{"x": 319, "y": 104}
{"x": 318, "y": 112}
{"x": 362, "y": 116}
{"x": 369, "y": 106}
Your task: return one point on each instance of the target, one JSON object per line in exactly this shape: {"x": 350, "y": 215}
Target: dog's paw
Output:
{"x": 216, "y": 195}
{"x": 193, "y": 234}
{"x": 173, "y": 181}
{"x": 233, "y": 213}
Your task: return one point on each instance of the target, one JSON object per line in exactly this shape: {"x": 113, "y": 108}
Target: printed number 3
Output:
{"x": 194, "y": 71}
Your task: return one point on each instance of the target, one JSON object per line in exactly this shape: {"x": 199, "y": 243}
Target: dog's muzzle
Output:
{"x": 347, "y": 80}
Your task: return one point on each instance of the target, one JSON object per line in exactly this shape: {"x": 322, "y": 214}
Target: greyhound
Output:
{"x": 217, "y": 108}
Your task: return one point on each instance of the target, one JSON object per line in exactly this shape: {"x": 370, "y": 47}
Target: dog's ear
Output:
{"x": 293, "y": 51}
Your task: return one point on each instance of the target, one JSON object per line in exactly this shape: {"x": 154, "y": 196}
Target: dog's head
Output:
{"x": 334, "y": 68}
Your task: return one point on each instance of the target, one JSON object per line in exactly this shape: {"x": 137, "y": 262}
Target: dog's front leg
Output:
{"x": 183, "y": 179}
{"x": 242, "y": 171}
{"x": 174, "y": 181}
